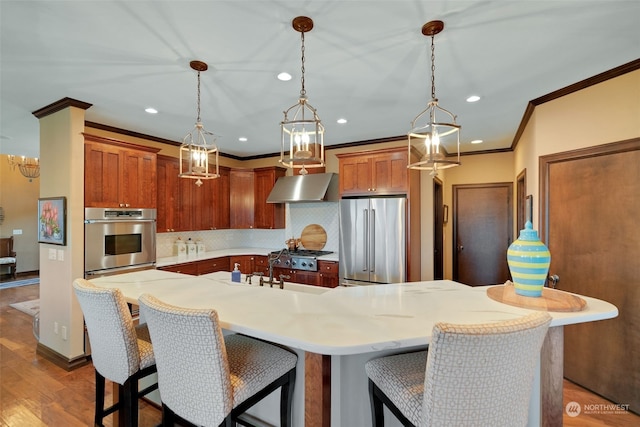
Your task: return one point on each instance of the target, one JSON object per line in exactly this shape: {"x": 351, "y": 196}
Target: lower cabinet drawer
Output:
{"x": 214, "y": 264}
{"x": 185, "y": 268}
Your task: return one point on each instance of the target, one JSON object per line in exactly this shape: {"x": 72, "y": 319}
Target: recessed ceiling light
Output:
{"x": 477, "y": 141}
{"x": 242, "y": 139}
{"x": 342, "y": 121}
{"x": 151, "y": 110}
{"x": 473, "y": 98}
{"x": 285, "y": 77}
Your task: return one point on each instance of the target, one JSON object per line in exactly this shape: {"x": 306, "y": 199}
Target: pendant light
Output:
{"x": 302, "y": 131}
{"x": 198, "y": 152}
{"x": 434, "y": 133}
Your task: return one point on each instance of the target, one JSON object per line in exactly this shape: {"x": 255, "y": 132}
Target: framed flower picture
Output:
{"x": 52, "y": 220}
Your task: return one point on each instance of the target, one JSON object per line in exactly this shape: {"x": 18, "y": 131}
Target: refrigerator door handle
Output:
{"x": 372, "y": 245}
{"x": 365, "y": 236}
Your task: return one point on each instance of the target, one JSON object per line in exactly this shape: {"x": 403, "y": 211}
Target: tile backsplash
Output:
{"x": 298, "y": 216}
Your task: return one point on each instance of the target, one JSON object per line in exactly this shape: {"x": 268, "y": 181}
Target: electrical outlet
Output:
{"x": 60, "y": 255}
{"x": 17, "y": 232}
{"x": 64, "y": 333}
{"x": 55, "y": 328}
{"x": 52, "y": 254}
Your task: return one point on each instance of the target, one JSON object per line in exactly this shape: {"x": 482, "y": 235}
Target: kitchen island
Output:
{"x": 336, "y": 331}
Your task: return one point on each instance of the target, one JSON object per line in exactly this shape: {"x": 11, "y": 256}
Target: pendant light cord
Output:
{"x": 198, "y": 119}
{"x": 433, "y": 68}
{"x": 303, "y": 92}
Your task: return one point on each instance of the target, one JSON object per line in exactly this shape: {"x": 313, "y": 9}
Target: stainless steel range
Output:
{"x": 301, "y": 259}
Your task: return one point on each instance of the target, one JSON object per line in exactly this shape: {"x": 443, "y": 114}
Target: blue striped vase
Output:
{"x": 529, "y": 261}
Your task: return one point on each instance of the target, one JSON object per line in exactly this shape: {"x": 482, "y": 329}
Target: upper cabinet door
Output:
{"x": 241, "y": 200}
{"x": 267, "y": 215}
{"x": 374, "y": 173}
{"x": 118, "y": 174}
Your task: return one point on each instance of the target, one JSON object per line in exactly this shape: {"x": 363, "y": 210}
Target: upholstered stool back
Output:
{"x": 114, "y": 344}
{"x": 207, "y": 378}
{"x": 474, "y": 374}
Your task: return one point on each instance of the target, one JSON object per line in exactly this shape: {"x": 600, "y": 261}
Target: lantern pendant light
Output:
{"x": 434, "y": 138}
{"x": 302, "y": 131}
{"x": 198, "y": 152}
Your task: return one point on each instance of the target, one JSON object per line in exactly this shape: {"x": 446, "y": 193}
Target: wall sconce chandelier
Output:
{"x": 29, "y": 167}
{"x": 302, "y": 131}
{"x": 434, "y": 132}
{"x": 198, "y": 150}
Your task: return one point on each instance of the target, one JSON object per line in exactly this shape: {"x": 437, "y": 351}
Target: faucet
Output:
{"x": 271, "y": 261}
{"x": 260, "y": 274}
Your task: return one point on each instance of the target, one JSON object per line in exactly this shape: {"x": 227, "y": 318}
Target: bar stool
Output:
{"x": 120, "y": 351}
{"x": 208, "y": 379}
{"x": 478, "y": 374}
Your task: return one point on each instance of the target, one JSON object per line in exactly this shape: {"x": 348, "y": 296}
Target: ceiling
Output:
{"x": 366, "y": 61}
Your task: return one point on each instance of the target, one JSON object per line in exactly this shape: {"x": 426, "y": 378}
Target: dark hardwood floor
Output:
{"x": 35, "y": 392}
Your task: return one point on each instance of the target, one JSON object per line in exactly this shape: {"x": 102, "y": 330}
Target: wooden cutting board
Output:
{"x": 313, "y": 237}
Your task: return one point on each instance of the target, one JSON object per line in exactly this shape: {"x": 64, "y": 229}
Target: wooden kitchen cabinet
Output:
{"x": 197, "y": 268}
{"x": 328, "y": 274}
{"x": 377, "y": 172}
{"x": 261, "y": 264}
{"x": 184, "y": 206}
{"x": 304, "y": 277}
{"x": 175, "y": 200}
{"x": 249, "y": 189}
{"x": 184, "y": 268}
{"x": 241, "y": 200}
{"x": 118, "y": 174}
{"x": 212, "y": 265}
{"x": 210, "y": 202}
{"x": 246, "y": 263}
{"x": 221, "y": 212}
{"x": 267, "y": 215}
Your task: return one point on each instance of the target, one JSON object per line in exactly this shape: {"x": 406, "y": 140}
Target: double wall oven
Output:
{"x": 118, "y": 240}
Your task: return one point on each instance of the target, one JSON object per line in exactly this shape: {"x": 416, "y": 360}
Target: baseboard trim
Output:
{"x": 60, "y": 360}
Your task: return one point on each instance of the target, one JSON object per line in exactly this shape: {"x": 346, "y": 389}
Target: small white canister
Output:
{"x": 179, "y": 248}
{"x": 200, "y": 247}
{"x": 191, "y": 247}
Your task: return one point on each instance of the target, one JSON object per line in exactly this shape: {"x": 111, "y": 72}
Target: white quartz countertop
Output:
{"x": 338, "y": 321}
{"x": 172, "y": 260}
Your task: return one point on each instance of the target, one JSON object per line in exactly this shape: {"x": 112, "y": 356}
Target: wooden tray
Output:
{"x": 551, "y": 299}
{"x": 313, "y": 237}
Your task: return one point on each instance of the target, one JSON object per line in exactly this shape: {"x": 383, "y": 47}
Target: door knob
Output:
{"x": 460, "y": 248}
{"x": 553, "y": 280}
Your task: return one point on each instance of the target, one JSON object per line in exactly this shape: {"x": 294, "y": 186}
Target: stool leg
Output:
{"x": 286, "y": 399}
{"x": 129, "y": 403}
{"x": 377, "y": 415}
{"x": 99, "y": 412}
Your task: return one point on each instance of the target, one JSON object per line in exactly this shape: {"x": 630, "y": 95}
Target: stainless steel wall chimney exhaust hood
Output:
{"x": 319, "y": 187}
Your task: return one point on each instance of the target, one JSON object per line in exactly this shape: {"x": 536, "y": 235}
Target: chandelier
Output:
{"x": 198, "y": 152}
{"x": 302, "y": 131}
{"x": 29, "y": 167}
{"x": 434, "y": 133}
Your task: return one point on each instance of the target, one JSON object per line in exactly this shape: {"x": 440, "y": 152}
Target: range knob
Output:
{"x": 277, "y": 261}
{"x": 287, "y": 262}
{"x": 304, "y": 264}
{"x": 311, "y": 264}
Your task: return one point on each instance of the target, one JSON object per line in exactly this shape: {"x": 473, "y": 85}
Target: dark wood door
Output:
{"x": 482, "y": 233}
{"x": 590, "y": 217}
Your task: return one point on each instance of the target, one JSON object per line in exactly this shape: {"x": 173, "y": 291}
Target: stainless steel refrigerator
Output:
{"x": 373, "y": 240}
